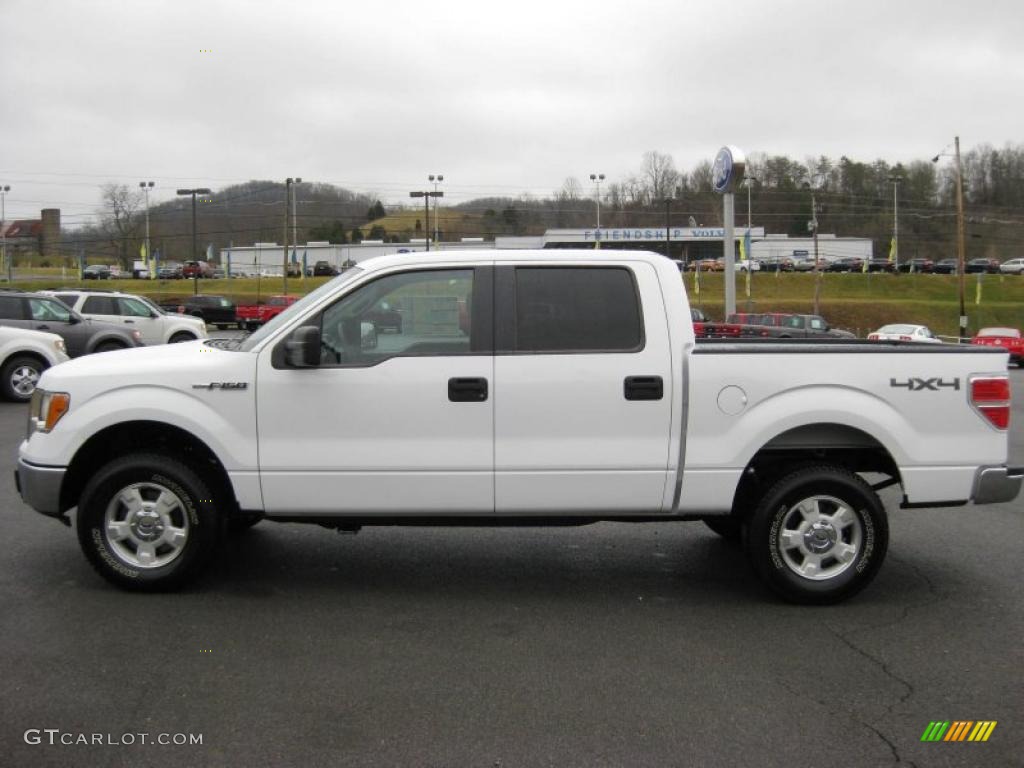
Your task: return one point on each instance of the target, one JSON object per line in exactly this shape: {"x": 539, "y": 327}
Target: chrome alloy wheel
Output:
{"x": 146, "y": 525}
{"x": 820, "y": 537}
{"x": 24, "y": 379}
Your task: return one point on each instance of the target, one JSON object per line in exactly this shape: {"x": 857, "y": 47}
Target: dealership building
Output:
{"x": 681, "y": 243}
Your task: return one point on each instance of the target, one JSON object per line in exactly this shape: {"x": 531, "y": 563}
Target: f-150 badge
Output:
{"x": 916, "y": 385}
{"x": 222, "y": 385}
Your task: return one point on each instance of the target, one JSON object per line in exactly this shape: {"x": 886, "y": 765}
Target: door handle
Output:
{"x": 467, "y": 390}
{"x": 42, "y": 327}
{"x": 130, "y": 322}
{"x": 644, "y": 388}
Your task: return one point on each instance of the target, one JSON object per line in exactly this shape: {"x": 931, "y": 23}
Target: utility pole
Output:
{"x": 817, "y": 270}
{"x": 597, "y": 178}
{"x": 3, "y": 228}
{"x": 146, "y": 186}
{"x": 287, "y": 191}
{"x": 436, "y": 180}
{"x": 668, "y": 242}
{"x": 426, "y": 195}
{"x": 960, "y": 238}
{"x": 195, "y": 234}
{"x": 895, "y": 181}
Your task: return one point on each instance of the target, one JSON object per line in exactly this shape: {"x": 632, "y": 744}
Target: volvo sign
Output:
{"x": 727, "y": 172}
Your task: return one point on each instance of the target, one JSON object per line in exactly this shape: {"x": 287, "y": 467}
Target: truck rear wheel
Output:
{"x": 147, "y": 522}
{"x": 818, "y": 536}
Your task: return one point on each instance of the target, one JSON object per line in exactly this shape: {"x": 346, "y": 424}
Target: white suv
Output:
{"x": 1012, "y": 267}
{"x": 155, "y": 325}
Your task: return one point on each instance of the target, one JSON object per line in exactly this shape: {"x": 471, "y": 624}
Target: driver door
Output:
{"x": 397, "y": 418}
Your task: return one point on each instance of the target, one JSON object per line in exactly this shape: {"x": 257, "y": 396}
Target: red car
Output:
{"x": 1007, "y": 338}
{"x": 251, "y": 316}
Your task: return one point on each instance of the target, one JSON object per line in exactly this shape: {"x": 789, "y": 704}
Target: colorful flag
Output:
{"x": 977, "y": 290}
{"x": 696, "y": 279}
{"x": 142, "y": 252}
{"x": 892, "y": 250}
{"x": 745, "y": 247}
{"x": 864, "y": 264}
{"x": 209, "y": 251}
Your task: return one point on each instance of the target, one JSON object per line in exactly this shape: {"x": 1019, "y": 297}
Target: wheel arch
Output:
{"x": 818, "y": 443}
{"x": 143, "y": 436}
{"x": 39, "y": 357}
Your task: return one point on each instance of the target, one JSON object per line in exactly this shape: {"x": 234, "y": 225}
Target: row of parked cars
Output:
{"x": 857, "y": 264}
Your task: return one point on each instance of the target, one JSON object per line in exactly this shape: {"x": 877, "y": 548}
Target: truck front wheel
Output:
{"x": 818, "y": 536}
{"x": 147, "y": 522}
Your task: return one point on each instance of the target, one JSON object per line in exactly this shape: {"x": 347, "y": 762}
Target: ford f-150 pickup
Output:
{"x": 521, "y": 387}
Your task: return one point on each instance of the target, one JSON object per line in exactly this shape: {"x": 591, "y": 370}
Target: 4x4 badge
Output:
{"x": 916, "y": 385}
{"x": 221, "y": 385}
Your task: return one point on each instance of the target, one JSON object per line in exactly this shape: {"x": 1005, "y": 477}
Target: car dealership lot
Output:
{"x": 611, "y": 644}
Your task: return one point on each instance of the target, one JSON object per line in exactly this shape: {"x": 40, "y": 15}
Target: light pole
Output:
{"x": 3, "y": 228}
{"x": 437, "y": 180}
{"x": 195, "y": 232}
{"x": 426, "y": 195}
{"x": 959, "y": 233}
{"x": 145, "y": 186}
{"x": 287, "y": 192}
{"x": 895, "y": 181}
{"x": 597, "y": 178}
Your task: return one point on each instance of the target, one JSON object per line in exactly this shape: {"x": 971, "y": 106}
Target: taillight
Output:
{"x": 990, "y": 396}
{"x": 872, "y": 337}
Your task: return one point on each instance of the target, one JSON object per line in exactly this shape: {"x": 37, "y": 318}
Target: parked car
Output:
{"x": 807, "y": 264}
{"x": 213, "y": 310}
{"x": 37, "y": 312}
{"x": 982, "y": 265}
{"x": 96, "y": 272}
{"x": 846, "y": 264}
{"x": 252, "y": 316}
{"x": 1012, "y": 267}
{"x": 904, "y": 332}
{"x": 917, "y": 265}
{"x": 170, "y": 270}
{"x": 196, "y": 269}
{"x": 138, "y": 312}
{"x": 750, "y": 265}
{"x": 786, "y": 325}
{"x": 946, "y": 267}
{"x": 777, "y": 264}
{"x": 323, "y": 269}
{"x": 24, "y": 355}
{"x": 880, "y": 265}
{"x": 1007, "y": 338}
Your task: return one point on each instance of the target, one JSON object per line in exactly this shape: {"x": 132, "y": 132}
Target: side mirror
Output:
{"x": 302, "y": 350}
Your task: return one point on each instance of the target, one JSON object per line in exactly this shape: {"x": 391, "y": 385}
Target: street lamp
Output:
{"x": 668, "y": 202}
{"x": 3, "y": 229}
{"x": 959, "y": 231}
{"x": 895, "y": 180}
{"x": 597, "y": 178}
{"x": 195, "y": 234}
{"x": 145, "y": 186}
{"x": 288, "y": 191}
{"x": 426, "y": 208}
{"x": 437, "y": 180}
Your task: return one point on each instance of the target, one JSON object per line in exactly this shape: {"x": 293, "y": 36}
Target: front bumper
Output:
{"x": 40, "y": 486}
{"x": 995, "y": 485}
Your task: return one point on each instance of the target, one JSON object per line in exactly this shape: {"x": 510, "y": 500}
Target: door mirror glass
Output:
{"x": 303, "y": 348}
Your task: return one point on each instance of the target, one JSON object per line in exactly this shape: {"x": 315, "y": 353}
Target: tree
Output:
{"x": 333, "y": 232}
{"x": 659, "y": 176}
{"x": 377, "y": 232}
{"x": 121, "y": 219}
{"x": 357, "y": 235}
{"x": 376, "y": 211}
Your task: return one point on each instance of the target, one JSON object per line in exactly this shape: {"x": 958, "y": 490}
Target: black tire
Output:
{"x": 109, "y": 346}
{"x": 849, "y": 541}
{"x": 19, "y": 376}
{"x": 729, "y": 528}
{"x": 181, "y": 336}
{"x": 190, "y": 511}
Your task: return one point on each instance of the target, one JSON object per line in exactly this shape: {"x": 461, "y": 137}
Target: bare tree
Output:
{"x": 571, "y": 190}
{"x": 659, "y": 175}
{"x": 121, "y": 218}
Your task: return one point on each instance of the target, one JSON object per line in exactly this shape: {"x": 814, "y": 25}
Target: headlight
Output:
{"x": 61, "y": 346}
{"x": 46, "y": 409}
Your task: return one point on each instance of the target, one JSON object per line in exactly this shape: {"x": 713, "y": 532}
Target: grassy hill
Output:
{"x": 453, "y": 224}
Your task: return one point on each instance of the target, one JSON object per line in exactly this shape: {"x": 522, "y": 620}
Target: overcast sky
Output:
{"x": 503, "y": 98}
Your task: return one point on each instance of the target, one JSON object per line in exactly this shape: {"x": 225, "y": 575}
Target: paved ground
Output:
{"x": 608, "y": 645}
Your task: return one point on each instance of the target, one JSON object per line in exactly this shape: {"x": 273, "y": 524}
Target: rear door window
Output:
{"x": 99, "y": 305}
{"x": 576, "y": 309}
{"x": 12, "y": 308}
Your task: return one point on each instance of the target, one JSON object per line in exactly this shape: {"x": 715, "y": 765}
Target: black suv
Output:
{"x": 214, "y": 310}
{"x": 81, "y": 335}
{"x": 323, "y": 269}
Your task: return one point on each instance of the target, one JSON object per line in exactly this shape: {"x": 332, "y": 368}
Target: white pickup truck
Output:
{"x": 514, "y": 387}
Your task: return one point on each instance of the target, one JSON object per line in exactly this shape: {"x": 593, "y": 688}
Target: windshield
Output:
{"x": 298, "y": 307}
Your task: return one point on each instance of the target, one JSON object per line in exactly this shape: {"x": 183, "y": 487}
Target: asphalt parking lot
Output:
{"x": 607, "y": 645}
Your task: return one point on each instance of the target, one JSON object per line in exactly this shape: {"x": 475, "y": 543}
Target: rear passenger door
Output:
{"x": 583, "y": 386}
